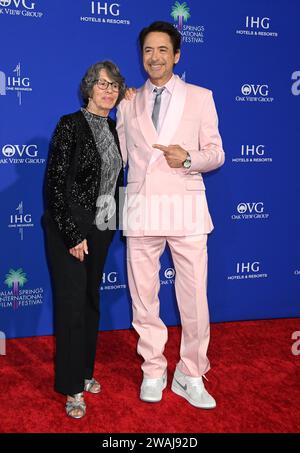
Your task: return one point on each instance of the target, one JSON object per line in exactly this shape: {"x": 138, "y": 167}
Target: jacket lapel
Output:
{"x": 143, "y": 117}
{"x": 172, "y": 118}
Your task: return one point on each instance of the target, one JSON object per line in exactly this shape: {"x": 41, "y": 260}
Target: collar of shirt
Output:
{"x": 169, "y": 86}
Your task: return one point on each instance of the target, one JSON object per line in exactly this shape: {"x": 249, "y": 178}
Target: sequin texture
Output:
{"x": 111, "y": 164}
{"x": 72, "y": 137}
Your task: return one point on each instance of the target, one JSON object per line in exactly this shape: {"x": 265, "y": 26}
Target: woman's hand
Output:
{"x": 130, "y": 93}
{"x": 80, "y": 250}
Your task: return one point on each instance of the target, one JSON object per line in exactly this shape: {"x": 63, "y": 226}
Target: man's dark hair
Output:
{"x": 164, "y": 27}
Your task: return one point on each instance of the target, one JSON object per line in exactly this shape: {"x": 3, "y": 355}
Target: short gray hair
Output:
{"x": 92, "y": 75}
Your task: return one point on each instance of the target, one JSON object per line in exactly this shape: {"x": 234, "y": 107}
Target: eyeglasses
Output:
{"x": 104, "y": 84}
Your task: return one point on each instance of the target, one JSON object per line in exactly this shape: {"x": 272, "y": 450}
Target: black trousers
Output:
{"x": 76, "y": 302}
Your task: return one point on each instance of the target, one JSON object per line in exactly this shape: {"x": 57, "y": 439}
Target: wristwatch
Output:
{"x": 187, "y": 162}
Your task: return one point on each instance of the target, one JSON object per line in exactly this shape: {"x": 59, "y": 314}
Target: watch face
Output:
{"x": 187, "y": 163}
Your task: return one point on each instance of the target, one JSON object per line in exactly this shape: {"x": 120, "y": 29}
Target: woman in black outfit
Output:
{"x": 83, "y": 177}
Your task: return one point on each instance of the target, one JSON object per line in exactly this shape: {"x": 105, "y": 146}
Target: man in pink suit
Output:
{"x": 169, "y": 136}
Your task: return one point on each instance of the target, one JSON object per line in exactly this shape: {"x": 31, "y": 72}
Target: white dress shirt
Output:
{"x": 165, "y": 99}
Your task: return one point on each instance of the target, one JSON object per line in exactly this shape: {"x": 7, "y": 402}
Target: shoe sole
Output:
{"x": 151, "y": 400}
{"x": 184, "y": 395}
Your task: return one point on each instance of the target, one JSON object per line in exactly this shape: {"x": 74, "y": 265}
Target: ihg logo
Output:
{"x": 12, "y": 83}
{"x": 258, "y": 22}
{"x": 104, "y": 8}
{"x": 242, "y": 267}
{"x": 252, "y": 150}
{"x": 15, "y": 83}
{"x": 110, "y": 277}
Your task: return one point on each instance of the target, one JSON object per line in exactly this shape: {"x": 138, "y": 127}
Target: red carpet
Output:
{"x": 255, "y": 379}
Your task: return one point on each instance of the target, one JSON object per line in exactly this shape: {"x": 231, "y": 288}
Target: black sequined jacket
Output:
{"x": 73, "y": 177}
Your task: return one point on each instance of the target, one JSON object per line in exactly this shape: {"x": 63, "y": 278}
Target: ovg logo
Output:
{"x": 246, "y": 90}
{"x": 15, "y": 280}
{"x": 180, "y": 12}
{"x": 250, "y": 211}
{"x": 168, "y": 277}
{"x": 250, "y": 207}
{"x": 17, "y": 83}
{"x": 170, "y": 273}
{"x": 262, "y": 90}
{"x": 17, "y": 3}
{"x": 242, "y": 208}
{"x": 21, "y": 154}
{"x": 19, "y": 150}
{"x": 252, "y": 92}
{"x": 8, "y": 151}
{"x": 24, "y": 8}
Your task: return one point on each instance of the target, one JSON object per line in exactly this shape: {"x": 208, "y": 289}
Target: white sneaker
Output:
{"x": 193, "y": 390}
{"x": 152, "y": 388}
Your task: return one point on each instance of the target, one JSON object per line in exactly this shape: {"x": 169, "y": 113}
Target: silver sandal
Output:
{"x": 77, "y": 403}
{"x": 89, "y": 383}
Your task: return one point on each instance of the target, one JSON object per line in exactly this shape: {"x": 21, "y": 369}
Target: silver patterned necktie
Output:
{"x": 156, "y": 107}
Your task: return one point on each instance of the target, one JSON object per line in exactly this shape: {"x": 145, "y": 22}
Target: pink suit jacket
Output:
{"x": 164, "y": 201}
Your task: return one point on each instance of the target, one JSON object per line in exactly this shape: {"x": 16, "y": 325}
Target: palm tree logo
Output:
{"x": 15, "y": 280}
{"x": 181, "y": 12}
